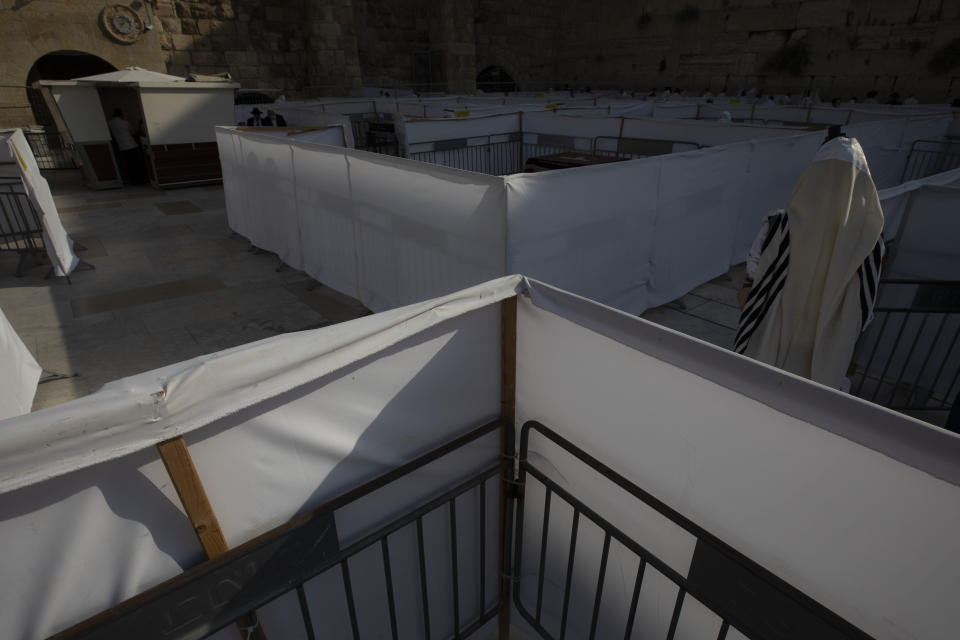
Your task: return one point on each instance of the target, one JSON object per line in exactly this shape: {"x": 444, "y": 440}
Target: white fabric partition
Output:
{"x": 825, "y": 490}
{"x": 632, "y": 234}
{"x": 59, "y": 245}
{"x": 926, "y": 246}
{"x": 852, "y": 504}
{"x": 386, "y": 230}
{"x": 275, "y": 428}
{"x": 314, "y": 117}
{"x": 19, "y": 373}
{"x": 607, "y": 254}
{"x": 895, "y": 200}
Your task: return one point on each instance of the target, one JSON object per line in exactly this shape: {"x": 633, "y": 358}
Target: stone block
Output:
{"x": 201, "y": 43}
{"x": 170, "y": 25}
{"x": 869, "y": 37}
{"x": 202, "y": 11}
{"x": 181, "y": 58}
{"x": 189, "y": 27}
{"x": 762, "y": 19}
{"x": 182, "y": 42}
{"x": 765, "y": 42}
{"x": 209, "y": 58}
{"x": 822, "y": 13}
{"x": 166, "y": 41}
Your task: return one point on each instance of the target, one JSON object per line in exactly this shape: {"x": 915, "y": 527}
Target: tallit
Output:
{"x": 818, "y": 271}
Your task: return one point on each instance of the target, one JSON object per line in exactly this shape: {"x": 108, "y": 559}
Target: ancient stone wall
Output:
{"x": 295, "y": 47}
{"x": 29, "y": 30}
{"x": 522, "y": 38}
{"x": 843, "y": 48}
{"x": 303, "y": 48}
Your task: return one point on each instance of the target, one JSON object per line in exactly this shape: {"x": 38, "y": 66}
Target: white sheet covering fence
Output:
{"x": 855, "y": 505}
{"x": 635, "y": 234}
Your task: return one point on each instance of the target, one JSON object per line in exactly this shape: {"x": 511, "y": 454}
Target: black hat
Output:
{"x": 834, "y": 132}
{"x": 255, "y": 111}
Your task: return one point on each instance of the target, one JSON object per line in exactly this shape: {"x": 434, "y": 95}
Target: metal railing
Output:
{"x": 374, "y": 132}
{"x": 738, "y": 592}
{"x": 20, "y": 226}
{"x": 929, "y": 157}
{"x": 492, "y": 158}
{"x": 508, "y": 156}
{"x": 50, "y": 150}
{"x": 909, "y": 358}
{"x": 231, "y": 586}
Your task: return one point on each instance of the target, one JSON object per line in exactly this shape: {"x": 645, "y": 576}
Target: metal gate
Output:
{"x": 929, "y": 157}
{"x": 50, "y": 150}
{"x": 908, "y": 359}
{"x": 740, "y": 594}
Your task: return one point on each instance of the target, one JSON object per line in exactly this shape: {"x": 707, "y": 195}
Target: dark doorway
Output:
{"x": 60, "y": 65}
{"x": 495, "y": 80}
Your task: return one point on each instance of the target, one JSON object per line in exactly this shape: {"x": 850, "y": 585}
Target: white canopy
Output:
{"x": 130, "y": 75}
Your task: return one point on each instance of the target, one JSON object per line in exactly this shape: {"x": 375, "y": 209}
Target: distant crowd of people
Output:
{"x": 759, "y": 97}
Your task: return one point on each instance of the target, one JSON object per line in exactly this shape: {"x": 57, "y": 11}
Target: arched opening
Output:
{"x": 494, "y": 79}
{"x": 60, "y": 65}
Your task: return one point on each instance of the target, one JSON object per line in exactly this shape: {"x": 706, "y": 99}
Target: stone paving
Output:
{"x": 170, "y": 283}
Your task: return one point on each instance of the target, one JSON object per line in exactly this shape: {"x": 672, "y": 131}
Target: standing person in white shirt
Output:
{"x": 131, "y": 164}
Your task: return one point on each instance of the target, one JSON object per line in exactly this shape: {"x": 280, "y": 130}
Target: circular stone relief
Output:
{"x": 121, "y": 23}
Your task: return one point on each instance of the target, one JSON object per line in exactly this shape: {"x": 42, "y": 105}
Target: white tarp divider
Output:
{"x": 307, "y": 116}
{"x": 896, "y": 199}
{"x": 810, "y": 483}
{"x": 633, "y": 234}
{"x": 926, "y": 245}
{"x": 59, "y": 245}
{"x": 19, "y": 373}
{"x": 386, "y": 230}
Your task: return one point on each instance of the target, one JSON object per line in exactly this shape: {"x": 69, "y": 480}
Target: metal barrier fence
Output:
{"x": 227, "y": 589}
{"x": 738, "y": 592}
{"x": 492, "y": 158}
{"x": 929, "y": 157}
{"x": 374, "y": 132}
{"x": 50, "y": 150}
{"x": 20, "y": 226}
{"x": 911, "y": 352}
{"x": 508, "y": 156}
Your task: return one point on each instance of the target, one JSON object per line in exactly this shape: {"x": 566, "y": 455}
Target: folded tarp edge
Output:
{"x": 140, "y": 411}
{"x": 910, "y": 441}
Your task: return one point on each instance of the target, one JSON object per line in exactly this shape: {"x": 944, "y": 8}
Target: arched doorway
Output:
{"x": 60, "y": 65}
{"x": 494, "y": 79}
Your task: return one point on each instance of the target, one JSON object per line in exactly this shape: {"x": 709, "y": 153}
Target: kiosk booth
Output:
{"x": 175, "y": 119}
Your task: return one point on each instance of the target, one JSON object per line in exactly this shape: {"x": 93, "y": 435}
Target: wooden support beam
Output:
{"x": 176, "y": 458}
{"x": 508, "y": 410}
{"x": 179, "y": 465}
{"x": 508, "y": 359}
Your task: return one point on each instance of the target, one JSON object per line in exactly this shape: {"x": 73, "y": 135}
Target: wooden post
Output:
{"x": 176, "y": 458}
{"x": 508, "y": 410}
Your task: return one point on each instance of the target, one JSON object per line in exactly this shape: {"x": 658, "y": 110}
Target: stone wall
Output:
{"x": 852, "y": 46}
{"x": 295, "y": 47}
{"x": 522, "y": 38}
{"x": 333, "y": 47}
{"x": 30, "y": 30}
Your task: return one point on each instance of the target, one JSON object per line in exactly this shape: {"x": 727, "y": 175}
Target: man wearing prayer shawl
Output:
{"x": 815, "y": 267}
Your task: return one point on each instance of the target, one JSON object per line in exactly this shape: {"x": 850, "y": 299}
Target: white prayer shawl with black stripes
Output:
{"x": 817, "y": 277}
